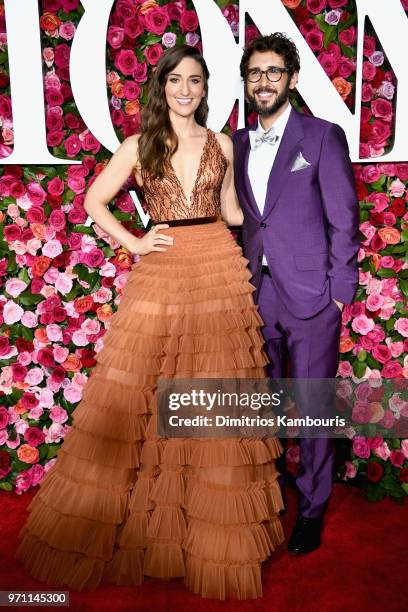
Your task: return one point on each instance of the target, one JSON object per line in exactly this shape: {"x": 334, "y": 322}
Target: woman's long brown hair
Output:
{"x": 156, "y": 129}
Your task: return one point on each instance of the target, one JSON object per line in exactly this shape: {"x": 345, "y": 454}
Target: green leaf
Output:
{"x": 343, "y": 25}
{"x": 389, "y": 325}
{"x": 387, "y": 273}
{"x": 373, "y": 363}
{"x": 329, "y": 36}
{"x": 404, "y": 235}
{"x": 347, "y": 51}
{"x": 6, "y": 486}
{"x": 362, "y": 354}
{"x": 403, "y": 284}
{"x": 375, "y": 492}
{"x": 359, "y": 368}
{"x": 29, "y": 299}
{"x": 52, "y": 450}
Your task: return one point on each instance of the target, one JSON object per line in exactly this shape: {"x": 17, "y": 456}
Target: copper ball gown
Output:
{"x": 120, "y": 503}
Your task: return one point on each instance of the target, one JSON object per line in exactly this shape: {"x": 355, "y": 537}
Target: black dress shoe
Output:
{"x": 306, "y": 535}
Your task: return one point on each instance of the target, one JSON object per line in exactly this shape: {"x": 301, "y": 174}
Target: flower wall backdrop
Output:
{"x": 62, "y": 279}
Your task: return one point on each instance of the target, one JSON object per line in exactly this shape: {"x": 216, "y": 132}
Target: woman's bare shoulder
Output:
{"x": 225, "y": 144}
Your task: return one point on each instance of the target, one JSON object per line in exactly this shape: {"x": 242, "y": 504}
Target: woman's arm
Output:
{"x": 103, "y": 190}
{"x": 230, "y": 209}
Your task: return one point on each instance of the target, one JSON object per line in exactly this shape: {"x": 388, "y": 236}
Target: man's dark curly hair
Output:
{"x": 277, "y": 42}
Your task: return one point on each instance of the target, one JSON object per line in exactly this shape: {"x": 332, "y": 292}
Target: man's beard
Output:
{"x": 273, "y": 107}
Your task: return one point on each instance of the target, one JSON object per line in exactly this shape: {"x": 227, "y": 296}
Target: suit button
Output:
{"x": 259, "y": 257}
{"x": 263, "y": 225}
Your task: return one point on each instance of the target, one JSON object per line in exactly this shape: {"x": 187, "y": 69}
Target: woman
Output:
{"x": 121, "y": 503}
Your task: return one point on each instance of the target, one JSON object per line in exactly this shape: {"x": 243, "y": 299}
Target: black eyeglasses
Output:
{"x": 273, "y": 74}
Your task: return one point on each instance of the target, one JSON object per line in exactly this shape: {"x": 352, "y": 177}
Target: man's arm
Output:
{"x": 340, "y": 204}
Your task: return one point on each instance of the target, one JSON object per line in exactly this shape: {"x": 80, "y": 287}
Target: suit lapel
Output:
{"x": 246, "y": 148}
{"x": 284, "y": 159}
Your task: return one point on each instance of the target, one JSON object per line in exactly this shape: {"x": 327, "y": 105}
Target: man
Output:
{"x": 295, "y": 183}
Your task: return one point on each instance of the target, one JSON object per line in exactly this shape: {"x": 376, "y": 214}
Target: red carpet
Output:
{"x": 360, "y": 566}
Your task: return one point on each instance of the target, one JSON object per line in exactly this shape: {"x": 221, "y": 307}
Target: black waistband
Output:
{"x": 197, "y": 221}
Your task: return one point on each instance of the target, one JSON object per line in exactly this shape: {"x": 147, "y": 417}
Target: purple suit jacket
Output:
{"x": 309, "y": 228}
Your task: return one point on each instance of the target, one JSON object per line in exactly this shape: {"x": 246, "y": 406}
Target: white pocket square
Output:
{"x": 300, "y": 163}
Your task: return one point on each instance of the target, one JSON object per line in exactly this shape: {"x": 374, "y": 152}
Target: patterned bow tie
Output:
{"x": 257, "y": 139}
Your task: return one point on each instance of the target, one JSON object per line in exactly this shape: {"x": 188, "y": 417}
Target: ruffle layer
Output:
{"x": 121, "y": 503}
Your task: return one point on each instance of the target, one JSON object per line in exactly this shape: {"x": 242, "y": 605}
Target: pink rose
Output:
{"x": 61, "y": 55}
{"x": 392, "y": 369}
{"x": 371, "y": 174}
{"x": 67, "y": 30}
{"x": 153, "y": 53}
{"x": 377, "y": 58}
{"x": 34, "y": 436}
{"x": 379, "y": 199}
{"x": 348, "y": 36}
{"x": 345, "y": 370}
{"x": 140, "y": 72}
{"x": 404, "y": 448}
{"x": 401, "y": 326}
{"x": 93, "y": 258}
{"x": 188, "y": 21}
{"x": 169, "y": 39}
{"x": 369, "y": 71}
{"x": 361, "y": 412}
{"x": 116, "y": 36}
{"x": 334, "y": 4}
{"x": 397, "y": 458}
{"x": 72, "y": 145}
{"x": 361, "y": 448}
{"x": 157, "y": 20}
{"x": 56, "y": 186}
{"x": 367, "y": 92}
{"x": 382, "y": 353}
{"x": 382, "y": 108}
{"x": 90, "y": 143}
{"x": 346, "y": 67}
{"x": 36, "y": 193}
{"x": 382, "y": 451}
{"x": 362, "y": 325}
{"x": 315, "y": 40}
{"x": 351, "y": 470}
{"x": 329, "y": 62}
{"x": 133, "y": 28}
{"x": 57, "y": 219}
{"x": 397, "y": 189}
{"x": 131, "y": 90}
{"x": 402, "y": 171}
{"x": 374, "y": 302}
{"x": 369, "y": 45}
{"x": 126, "y": 61}
{"x": 316, "y": 6}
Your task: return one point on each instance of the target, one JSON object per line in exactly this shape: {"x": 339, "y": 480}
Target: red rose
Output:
{"x": 315, "y": 40}
{"x": 402, "y": 171}
{"x": 377, "y": 219}
{"x": 61, "y": 55}
{"x": 188, "y": 21}
{"x": 374, "y": 471}
{"x": 12, "y": 232}
{"x": 403, "y": 475}
{"x": 398, "y": 207}
{"x": 153, "y": 53}
{"x": 157, "y": 20}
{"x": 4, "y": 80}
{"x": 382, "y": 108}
{"x": 378, "y": 78}
{"x": 381, "y": 131}
{"x": 126, "y": 61}
{"x": 301, "y": 14}
{"x": 362, "y": 191}
{"x": 365, "y": 131}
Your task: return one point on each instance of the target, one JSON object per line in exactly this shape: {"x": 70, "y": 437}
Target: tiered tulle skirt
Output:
{"x": 121, "y": 503}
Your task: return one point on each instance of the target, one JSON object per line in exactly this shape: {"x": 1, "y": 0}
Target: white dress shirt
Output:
{"x": 261, "y": 161}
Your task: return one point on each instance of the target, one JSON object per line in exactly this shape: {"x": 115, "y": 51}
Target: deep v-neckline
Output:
{"x": 198, "y": 174}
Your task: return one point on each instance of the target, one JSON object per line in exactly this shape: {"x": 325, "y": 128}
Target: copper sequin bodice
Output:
{"x": 166, "y": 200}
